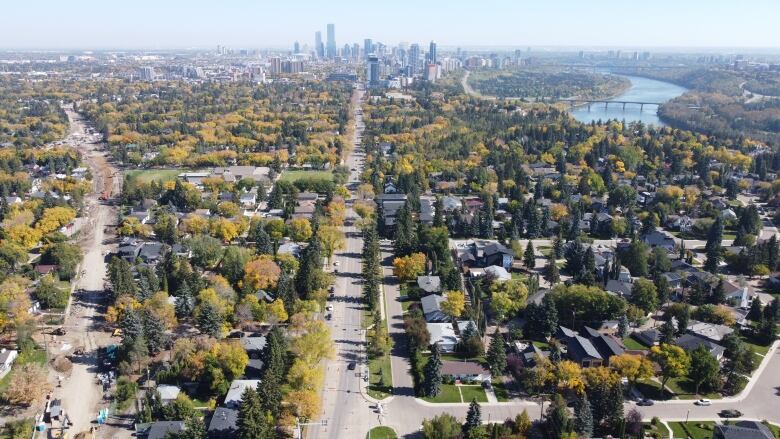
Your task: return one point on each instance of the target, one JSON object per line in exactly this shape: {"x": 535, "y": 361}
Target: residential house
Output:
{"x": 232, "y": 174}
{"x": 152, "y": 252}
{"x": 237, "y": 387}
{"x": 431, "y": 306}
{"x": 690, "y": 342}
{"x": 444, "y": 335}
{"x": 427, "y": 210}
{"x": 648, "y": 337}
{"x": 450, "y": 204}
{"x": 465, "y": 371}
{"x": 429, "y": 284}
{"x": 709, "y": 331}
{"x": 497, "y": 273}
{"x": 253, "y": 346}
{"x": 742, "y": 430}
{"x": 658, "y": 238}
{"x": 622, "y": 289}
{"x": 581, "y": 351}
{"x": 224, "y": 423}
{"x": 483, "y": 253}
{"x": 391, "y": 204}
{"x": 168, "y": 393}
{"x": 159, "y": 429}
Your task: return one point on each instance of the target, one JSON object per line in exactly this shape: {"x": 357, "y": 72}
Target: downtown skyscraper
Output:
{"x": 331, "y": 44}
{"x": 319, "y": 49}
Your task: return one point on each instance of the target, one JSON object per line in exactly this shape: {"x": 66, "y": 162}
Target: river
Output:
{"x": 642, "y": 90}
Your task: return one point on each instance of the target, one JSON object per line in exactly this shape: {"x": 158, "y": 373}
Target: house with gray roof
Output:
{"x": 237, "y": 388}
{"x": 431, "y": 306}
{"x": 691, "y": 342}
{"x": 710, "y": 331}
{"x": 742, "y": 430}
{"x": 159, "y": 429}
{"x": 444, "y": 335}
{"x": 429, "y": 284}
{"x": 223, "y": 423}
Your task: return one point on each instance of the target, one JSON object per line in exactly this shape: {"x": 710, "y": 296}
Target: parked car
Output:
{"x": 329, "y": 308}
{"x": 703, "y": 402}
{"x": 730, "y": 413}
{"x": 645, "y": 402}
{"x": 352, "y": 365}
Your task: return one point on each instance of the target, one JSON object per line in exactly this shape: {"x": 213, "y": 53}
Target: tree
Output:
{"x": 28, "y": 384}
{"x": 756, "y": 311}
{"x": 454, "y": 303}
{"x": 233, "y": 262}
{"x": 210, "y": 320}
{"x": 194, "y": 428}
{"x": 623, "y": 326}
{"x": 529, "y": 257}
{"x": 251, "y": 422}
{"x": 631, "y": 367}
{"x": 672, "y": 360}
{"x": 605, "y": 394}
{"x": 185, "y": 301}
{"x": 583, "y": 417}
{"x": 433, "y": 372}
{"x": 523, "y": 423}
{"x": 407, "y": 268}
{"x": 704, "y": 368}
{"x": 50, "y": 295}
{"x": 206, "y": 251}
{"x": 261, "y": 238}
{"x": 473, "y": 416}
{"x": 542, "y": 319}
{"x": 261, "y": 273}
{"x": 557, "y": 417}
{"x": 643, "y": 295}
{"x": 496, "y": 355}
{"x": 405, "y": 233}
{"x": 443, "y": 426}
{"x": 635, "y": 258}
{"x": 331, "y": 238}
{"x": 299, "y": 229}
{"x": 65, "y": 256}
{"x": 551, "y": 273}
{"x": 713, "y": 247}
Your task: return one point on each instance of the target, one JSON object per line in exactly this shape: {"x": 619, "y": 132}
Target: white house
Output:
{"x": 444, "y": 335}
{"x": 237, "y": 387}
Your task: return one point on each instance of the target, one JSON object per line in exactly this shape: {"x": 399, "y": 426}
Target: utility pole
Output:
{"x": 299, "y": 426}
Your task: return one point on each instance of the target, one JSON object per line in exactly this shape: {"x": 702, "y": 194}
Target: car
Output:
{"x": 352, "y": 365}
{"x": 645, "y": 402}
{"x": 328, "y": 316}
{"x": 329, "y": 308}
{"x": 487, "y": 384}
{"x": 703, "y": 402}
{"x": 336, "y": 271}
{"x": 730, "y": 413}
{"x": 336, "y": 263}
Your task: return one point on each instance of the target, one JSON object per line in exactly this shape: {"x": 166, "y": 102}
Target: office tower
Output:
{"x": 148, "y": 74}
{"x": 297, "y": 47}
{"x": 414, "y": 58}
{"x": 318, "y": 44}
{"x": 331, "y": 45}
{"x": 372, "y": 70}
{"x": 432, "y": 52}
{"x": 356, "y": 51}
{"x": 275, "y": 65}
{"x": 368, "y": 47}
{"x": 346, "y": 52}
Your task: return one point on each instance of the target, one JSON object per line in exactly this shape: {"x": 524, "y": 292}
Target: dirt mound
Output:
{"x": 61, "y": 364}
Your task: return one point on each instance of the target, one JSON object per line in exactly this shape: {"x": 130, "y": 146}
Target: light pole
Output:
{"x": 299, "y": 425}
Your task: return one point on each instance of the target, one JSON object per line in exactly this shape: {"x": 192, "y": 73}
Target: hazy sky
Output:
{"x": 277, "y": 23}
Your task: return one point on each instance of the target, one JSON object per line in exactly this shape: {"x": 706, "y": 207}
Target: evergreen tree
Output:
{"x": 756, "y": 311}
{"x": 310, "y": 265}
{"x": 405, "y": 234}
{"x": 210, "y": 320}
{"x": 719, "y": 294}
{"x": 668, "y": 332}
{"x": 555, "y": 352}
{"x": 583, "y": 417}
{"x": 473, "y": 416}
{"x": 713, "y": 247}
{"x": 252, "y": 422}
{"x": 185, "y": 303}
{"x": 623, "y": 326}
{"x": 131, "y": 325}
{"x": 154, "y": 332}
{"x": 438, "y": 214}
{"x": 496, "y": 355}
{"x": 433, "y": 372}
{"x": 285, "y": 290}
{"x": 529, "y": 258}
{"x": 551, "y": 271}
{"x": 542, "y": 320}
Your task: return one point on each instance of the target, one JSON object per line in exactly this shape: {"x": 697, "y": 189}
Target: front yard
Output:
{"x": 380, "y": 378}
{"x": 454, "y": 393}
{"x": 692, "y": 429}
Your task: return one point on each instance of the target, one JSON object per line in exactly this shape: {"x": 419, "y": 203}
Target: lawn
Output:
{"x": 380, "y": 378}
{"x": 543, "y": 345}
{"x": 660, "y": 430}
{"x": 757, "y": 348}
{"x": 696, "y": 430}
{"x": 650, "y": 389}
{"x": 473, "y": 392}
{"x": 293, "y": 176}
{"x": 381, "y": 433}
{"x": 150, "y": 175}
{"x": 684, "y": 389}
{"x": 448, "y": 393}
{"x": 634, "y": 345}
{"x": 499, "y": 388}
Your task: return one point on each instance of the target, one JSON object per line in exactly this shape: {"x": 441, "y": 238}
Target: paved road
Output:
{"x": 346, "y": 410}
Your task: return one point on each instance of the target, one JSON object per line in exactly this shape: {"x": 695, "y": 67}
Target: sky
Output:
{"x": 164, "y": 24}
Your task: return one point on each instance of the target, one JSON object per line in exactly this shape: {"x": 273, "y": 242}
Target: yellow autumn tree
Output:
{"x": 261, "y": 273}
{"x": 407, "y": 268}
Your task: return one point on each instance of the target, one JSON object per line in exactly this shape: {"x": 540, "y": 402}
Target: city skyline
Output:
{"x": 197, "y": 24}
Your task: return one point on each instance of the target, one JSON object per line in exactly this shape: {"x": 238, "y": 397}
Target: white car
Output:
{"x": 329, "y": 307}
{"x": 703, "y": 402}
{"x": 336, "y": 263}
